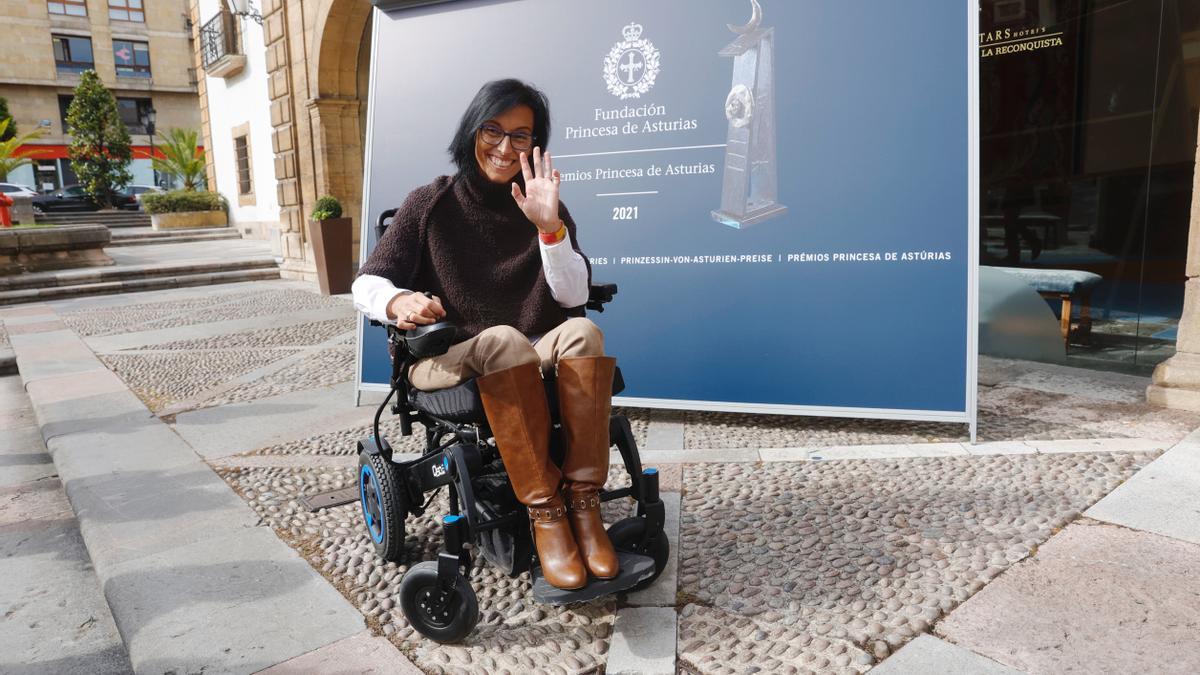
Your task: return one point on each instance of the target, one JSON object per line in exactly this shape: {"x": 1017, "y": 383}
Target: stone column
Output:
{"x": 279, "y": 20}
{"x": 338, "y": 152}
{"x": 1176, "y": 382}
{"x": 210, "y": 170}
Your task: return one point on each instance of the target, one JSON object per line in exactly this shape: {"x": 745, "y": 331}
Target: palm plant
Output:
{"x": 11, "y": 156}
{"x": 182, "y": 157}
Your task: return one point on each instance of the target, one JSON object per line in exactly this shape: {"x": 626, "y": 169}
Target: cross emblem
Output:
{"x": 632, "y": 66}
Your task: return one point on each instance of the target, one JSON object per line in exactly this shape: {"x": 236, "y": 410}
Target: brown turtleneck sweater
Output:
{"x": 466, "y": 241}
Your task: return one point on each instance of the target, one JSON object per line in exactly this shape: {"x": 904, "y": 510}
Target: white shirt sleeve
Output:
{"x": 566, "y": 273}
{"x": 372, "y": 295}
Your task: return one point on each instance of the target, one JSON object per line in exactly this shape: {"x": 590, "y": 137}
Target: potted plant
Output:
{"x": 185, "y": 208}
{"x": 331, "y": 241}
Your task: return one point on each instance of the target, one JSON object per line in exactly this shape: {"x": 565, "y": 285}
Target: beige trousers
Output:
{"x": 502, "y": 347}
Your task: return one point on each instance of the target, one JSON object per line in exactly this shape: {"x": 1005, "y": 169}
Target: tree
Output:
{"x": 100, "y": 146}
{"x": 182, "y": 157}
{"x": 11, "y": 131}
{"x": 11, "y": 155}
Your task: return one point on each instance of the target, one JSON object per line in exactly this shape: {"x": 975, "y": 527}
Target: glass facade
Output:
{"x": 1088, "y": 117}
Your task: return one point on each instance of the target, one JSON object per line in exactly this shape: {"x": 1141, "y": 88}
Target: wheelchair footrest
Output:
{"x": 634, "y": 568}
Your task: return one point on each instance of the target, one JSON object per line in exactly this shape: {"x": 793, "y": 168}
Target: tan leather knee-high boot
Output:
{"x": 584, "y": 403}
{"x": 515, "y": 402}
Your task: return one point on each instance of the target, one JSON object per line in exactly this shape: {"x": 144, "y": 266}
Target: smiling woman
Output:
{"x": 494, "y": 252}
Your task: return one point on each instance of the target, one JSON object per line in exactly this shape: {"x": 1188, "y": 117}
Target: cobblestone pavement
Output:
{"x": 817, "y": 566}
{"x": 215, "y": 307}
{"x": 824, "y": 566}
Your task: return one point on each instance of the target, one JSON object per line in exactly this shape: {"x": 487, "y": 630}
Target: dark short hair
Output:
{"x": 492, "y": 100}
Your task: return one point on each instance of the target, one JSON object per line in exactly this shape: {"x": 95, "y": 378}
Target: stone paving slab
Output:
{"x": 662, "y": 593}
{"x": 54, "y": 618}
{"x": 362, "y": 654}
{"x": 643, "y": 642}
{"x": 23, "y": 457}
{"x": 18, "y": 462}
{"x": 145, "y": 512}
{"x": 928, "y": 654}
{"x": 665, "y": 435}
{"x": 239, "y": 603}
{"x": 239, "y": 427}
{"x": 52, "y": 354}
{"x": 1095, "y": 598}
{"x": 1163, "y": 498}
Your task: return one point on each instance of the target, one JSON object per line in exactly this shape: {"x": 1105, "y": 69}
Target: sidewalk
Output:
{"x": 185, "y": 424}
{"x": 55, "y": 619}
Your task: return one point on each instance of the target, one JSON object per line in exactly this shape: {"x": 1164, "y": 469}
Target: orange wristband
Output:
{"x": 554, "y": 237}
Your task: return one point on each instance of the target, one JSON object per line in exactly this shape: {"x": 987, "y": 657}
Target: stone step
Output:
{"x": 91, "y": 275}
{"x": 120, "y": 238}
{"x": 109, "y": 218}
{"x": 14, "y": 297}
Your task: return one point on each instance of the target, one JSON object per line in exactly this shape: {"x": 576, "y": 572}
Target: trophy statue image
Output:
{"x": 750, "y": 185}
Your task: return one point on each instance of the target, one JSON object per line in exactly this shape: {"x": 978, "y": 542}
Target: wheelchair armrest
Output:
{"x": 423, "y": 341}
{"x": 599, "y": 294}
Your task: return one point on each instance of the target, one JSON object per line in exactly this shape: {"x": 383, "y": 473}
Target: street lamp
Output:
{"x": 243, "y": 8}
{"x": 147, "y": 119}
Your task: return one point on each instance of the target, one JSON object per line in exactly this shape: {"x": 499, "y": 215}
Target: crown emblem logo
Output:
{"x": 631, "y": 67}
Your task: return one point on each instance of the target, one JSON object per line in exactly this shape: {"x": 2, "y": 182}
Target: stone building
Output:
{"x": 311, "y": 89}
{"x": 141, "y": 50}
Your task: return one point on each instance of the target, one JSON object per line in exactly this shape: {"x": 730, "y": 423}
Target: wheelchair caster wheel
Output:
{"x": 382, "y": 499}
{"x": 626, "y": 535}
{"x": 441, "y": 616}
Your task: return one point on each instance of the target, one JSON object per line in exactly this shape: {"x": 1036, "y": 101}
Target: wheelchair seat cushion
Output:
{"x": 460, "y": 403}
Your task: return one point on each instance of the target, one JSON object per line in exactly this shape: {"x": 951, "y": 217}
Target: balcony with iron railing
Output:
{"x": 220, "y": 50}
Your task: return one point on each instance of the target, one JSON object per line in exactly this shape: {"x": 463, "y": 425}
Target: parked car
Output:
{"x": 16, "y": 189}
{"x": 73, "y": 198}
{"x": 136, "y": 191}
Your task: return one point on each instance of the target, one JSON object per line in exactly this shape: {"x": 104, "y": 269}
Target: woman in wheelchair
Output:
{"x": 493, "y": 250}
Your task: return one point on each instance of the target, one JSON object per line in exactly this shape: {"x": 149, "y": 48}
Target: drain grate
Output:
{"x": 326, "y": 500}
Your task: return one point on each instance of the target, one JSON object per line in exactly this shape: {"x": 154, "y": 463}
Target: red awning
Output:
{"x": 37, "y": 151}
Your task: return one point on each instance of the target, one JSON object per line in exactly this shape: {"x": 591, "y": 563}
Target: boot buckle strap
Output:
{"x": 584, "y": 502}
{"x": 546, "y": 514}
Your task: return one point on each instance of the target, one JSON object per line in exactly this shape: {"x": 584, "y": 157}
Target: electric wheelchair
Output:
{"x": 460, "y": 454}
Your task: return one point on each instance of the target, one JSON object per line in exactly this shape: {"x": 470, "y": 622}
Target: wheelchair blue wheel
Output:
{"x": 441, "y": 615}
{"x": 626, "y": 535}
{"x": 381, "y": 497}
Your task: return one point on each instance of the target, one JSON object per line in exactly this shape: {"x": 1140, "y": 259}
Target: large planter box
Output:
{"x": 331, "y": 242}
{"x": 22, "y": 210}
{"x": 186, "y": 219}
{"x": 53, "y": 248}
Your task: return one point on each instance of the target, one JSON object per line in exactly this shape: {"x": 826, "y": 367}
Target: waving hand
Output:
{"x": 540, "y": 199}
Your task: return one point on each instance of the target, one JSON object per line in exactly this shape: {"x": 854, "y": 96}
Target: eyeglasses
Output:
{"x": 521, "y": 141}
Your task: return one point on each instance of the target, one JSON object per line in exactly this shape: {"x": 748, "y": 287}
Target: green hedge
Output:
{"x": 176, "y": 201}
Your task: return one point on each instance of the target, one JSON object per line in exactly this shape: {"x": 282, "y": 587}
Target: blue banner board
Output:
{"x": 784, "y": 191}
